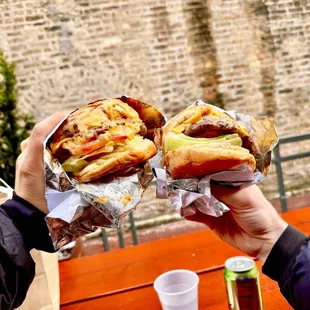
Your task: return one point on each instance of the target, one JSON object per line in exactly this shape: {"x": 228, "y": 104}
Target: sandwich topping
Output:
{"x": 201, "y": 140}
{"x": 93, "y": 135}
{"x": 175, "y": 141}
{"x": 204, "y": 127}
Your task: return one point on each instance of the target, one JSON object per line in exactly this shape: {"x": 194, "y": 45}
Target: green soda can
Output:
{"x": 242, "y": 284}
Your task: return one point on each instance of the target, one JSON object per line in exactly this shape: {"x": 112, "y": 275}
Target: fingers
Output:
{"x": 225, "y": 194}
{"x": 31, "y": 158}
{"x": 41, "y": 131}
{"x": 202, "y": 218}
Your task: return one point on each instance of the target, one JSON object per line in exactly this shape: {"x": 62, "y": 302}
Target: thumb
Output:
{"x": 41, "y": 130}
{"x": 238, "y": 198}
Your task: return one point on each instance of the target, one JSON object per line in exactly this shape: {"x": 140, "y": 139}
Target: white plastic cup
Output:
{"x": 178, "y": 290}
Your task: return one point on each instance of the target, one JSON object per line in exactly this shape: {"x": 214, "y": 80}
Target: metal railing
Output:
{"x": 277, "y": 160}
{"x": 120, "y": 234}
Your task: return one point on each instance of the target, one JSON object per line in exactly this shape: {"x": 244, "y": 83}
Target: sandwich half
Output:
{"x": 202, "y": 139}
{"x": 106, "y": 136}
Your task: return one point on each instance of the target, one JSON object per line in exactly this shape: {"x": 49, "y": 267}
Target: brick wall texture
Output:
{"x": 248, "y": 55}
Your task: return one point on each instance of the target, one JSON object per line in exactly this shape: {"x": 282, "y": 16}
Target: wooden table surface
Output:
{"x": 123, "y": 279}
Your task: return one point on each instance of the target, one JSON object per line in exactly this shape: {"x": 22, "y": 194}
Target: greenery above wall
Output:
{"x": 14, "y": 125}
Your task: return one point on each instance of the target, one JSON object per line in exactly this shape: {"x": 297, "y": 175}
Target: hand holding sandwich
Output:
{"x": 30, "y": 178}
{"x": 253, "y": 226}
{"x": 202, "y": 140}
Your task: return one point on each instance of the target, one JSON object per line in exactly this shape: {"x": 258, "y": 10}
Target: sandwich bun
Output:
{"x": 202, "y": 140}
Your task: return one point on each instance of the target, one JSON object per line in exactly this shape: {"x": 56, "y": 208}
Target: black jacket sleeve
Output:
{"x": 289, "y": 264}
{"x": 22, "y": 228}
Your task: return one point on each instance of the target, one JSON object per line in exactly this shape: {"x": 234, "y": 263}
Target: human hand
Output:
{"x": 30, "y": 173}
{"x": 252, "y": 225}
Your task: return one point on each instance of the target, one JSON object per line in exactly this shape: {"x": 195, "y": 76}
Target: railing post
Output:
{"x": 105, "y": 240}
{"x": 120, "y": 237}
{"x": 133, "y": 229}
{"x": 281, "y": 186}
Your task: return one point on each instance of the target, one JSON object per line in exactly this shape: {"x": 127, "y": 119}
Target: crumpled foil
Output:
{"x": 188, "y": 196}
{"x": 78, "y": 209}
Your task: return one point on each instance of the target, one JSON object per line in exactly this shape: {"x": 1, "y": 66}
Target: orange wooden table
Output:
{"x": 123, "y": 279}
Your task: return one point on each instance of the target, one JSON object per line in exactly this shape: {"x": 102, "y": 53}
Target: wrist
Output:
{"x": 271, "y": 239}
{"x": 37, "y": 200}
{"x": 281, "y": 259}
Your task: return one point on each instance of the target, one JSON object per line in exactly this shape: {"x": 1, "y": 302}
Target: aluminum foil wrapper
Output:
{"x": 189, "y": 195}
{"x": 78, "y": 209}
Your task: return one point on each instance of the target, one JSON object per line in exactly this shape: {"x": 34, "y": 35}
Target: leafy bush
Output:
{"x": 15, "y": 126}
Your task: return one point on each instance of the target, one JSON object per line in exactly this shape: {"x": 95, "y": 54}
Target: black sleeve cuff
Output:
{"x": 30, "y": 222}
{"x": 281, "y": 257}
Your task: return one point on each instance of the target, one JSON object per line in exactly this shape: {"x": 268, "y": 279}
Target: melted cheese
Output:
{"x": 114, "y": 124}
{"x": 194, "y": 119}
{"x": 181, "y": 128}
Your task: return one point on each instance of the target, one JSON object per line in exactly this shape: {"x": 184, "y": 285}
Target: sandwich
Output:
{"x": 202, "y": 140}
{"x": 106, "y": 136}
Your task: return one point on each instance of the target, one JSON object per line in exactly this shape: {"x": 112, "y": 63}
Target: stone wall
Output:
{"x": 249, "y": 55}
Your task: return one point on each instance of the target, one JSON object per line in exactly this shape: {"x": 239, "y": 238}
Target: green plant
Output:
{"x": 14, "y": 125}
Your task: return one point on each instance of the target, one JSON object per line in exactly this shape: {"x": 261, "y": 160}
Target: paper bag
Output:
{"x": 44, "y": 290}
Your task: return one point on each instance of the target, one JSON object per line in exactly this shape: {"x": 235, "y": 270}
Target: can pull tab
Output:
{"x": 240, "y": 265}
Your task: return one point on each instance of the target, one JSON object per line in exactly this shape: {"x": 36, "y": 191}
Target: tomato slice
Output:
{"x": 119, "y": 138}
{"x": 88, "y": 148}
